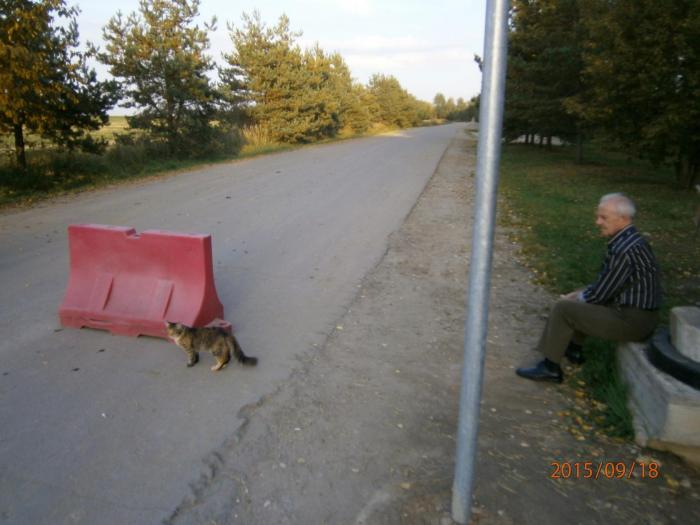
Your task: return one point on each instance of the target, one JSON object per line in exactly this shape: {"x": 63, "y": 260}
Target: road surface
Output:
{"x": 96, "y": 428}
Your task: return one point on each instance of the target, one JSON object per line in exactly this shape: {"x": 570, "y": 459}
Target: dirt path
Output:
{"x": 364, "y": 432}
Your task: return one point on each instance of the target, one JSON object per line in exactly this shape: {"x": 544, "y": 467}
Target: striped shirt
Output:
{"x": 630, "y": 274}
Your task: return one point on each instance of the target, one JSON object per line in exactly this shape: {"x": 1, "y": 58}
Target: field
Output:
{"x": 116, "y": 124}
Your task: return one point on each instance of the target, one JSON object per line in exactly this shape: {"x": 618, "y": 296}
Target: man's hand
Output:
{"x": 572, "y": 296}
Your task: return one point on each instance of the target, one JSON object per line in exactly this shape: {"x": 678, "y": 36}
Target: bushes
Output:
{"x": 196, "y": 142}
{"x": 52, "y": 171}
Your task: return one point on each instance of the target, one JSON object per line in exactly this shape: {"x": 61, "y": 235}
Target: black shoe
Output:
{"x": 574, "y": 353}
{"x": 543, "y": 371}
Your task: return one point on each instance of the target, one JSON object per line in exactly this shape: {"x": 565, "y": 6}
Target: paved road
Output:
{"x": 104, "y": 429}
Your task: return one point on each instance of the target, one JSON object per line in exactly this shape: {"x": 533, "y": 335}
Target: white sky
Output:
{"x": 427, "y": 45}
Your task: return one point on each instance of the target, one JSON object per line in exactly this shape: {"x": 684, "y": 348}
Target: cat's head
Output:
{"x": 174, "y": 329}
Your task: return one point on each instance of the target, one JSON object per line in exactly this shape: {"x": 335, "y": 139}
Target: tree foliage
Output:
{"x": 306, "y": 95}
{"x": 440, "y": 104}
{"x": 265, "y": 71}
{"x": 46, "y": 87}
{"x": 642, "y": 76}
{"x": 395, "y": 106}
{"x": 160, "y": 56}
{"x": 460, "y": 111}
{"x": 627, "y": 71}
{"x": 299, "y": 96}
{"x": 465, "y": 111}
{"x": 544, "y": 68}
{"x": 359, "y": 107}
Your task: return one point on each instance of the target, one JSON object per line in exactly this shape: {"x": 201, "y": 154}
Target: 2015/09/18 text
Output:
{"x": 605, "y": 469}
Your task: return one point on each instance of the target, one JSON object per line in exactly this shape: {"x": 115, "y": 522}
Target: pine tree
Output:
{"x": 298, "y": 96}
{"x": 396, "y": 107}
{"x": 359, "y": 108}
{"x": 267, "y": 71}
{"x": 159, "y": 54}
{"x": 322, "y": 95}
{"x": 544, "y": 68}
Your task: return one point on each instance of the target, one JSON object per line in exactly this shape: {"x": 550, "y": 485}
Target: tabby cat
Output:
{"x": 213, "y": 339}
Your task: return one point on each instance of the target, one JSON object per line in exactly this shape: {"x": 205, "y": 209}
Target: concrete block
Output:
{"x": 666, "y": 412}
{"x": 685, "y": 331}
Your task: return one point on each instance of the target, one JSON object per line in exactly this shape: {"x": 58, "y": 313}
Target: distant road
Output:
{"x": 96, "y": 428}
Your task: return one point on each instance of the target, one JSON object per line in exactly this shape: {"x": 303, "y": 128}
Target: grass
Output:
{"x": 51, "y": 173}
{"x": 54, "y": 172}
{"x": 551, "y": 202}
{"x": 116, "y": 125}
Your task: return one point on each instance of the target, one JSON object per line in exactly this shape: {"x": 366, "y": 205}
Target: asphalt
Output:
{"x": 107, "y": 429}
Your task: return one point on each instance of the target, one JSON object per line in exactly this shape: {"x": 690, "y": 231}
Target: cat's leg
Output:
{"x": 193, "y": 357}
{"x": 221, "y": 355}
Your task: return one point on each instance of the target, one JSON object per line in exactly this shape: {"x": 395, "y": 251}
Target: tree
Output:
{"x": 346, "y": 102}
{"x": 266, "y": 67}
{"x": 45, "y": 85}
{"x": 465, "y": 111}
{"x": 439, "y": 102}
{"x": 159, "y": 55}
{"x": 544, "y": 68}
{"x": 396, "y": 107}
{"x": 303, "y": 96}
{"x": 450, "y": 106}
{"x": 642, "y": 69}
{"x": 358, "y": 108}
{"x": 298, "y": 96}
{"x": 327, "y": 80}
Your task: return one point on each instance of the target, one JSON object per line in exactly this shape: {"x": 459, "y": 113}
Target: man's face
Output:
{"x": 608, "y": 220}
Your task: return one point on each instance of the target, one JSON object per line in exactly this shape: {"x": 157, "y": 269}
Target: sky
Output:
{"x": 429, "y": 46}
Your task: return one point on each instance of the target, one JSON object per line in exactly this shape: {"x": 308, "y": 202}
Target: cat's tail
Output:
{"x": 241, "y": 357}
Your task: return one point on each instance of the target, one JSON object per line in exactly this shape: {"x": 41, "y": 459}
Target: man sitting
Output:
{"x": 621, "y": 305}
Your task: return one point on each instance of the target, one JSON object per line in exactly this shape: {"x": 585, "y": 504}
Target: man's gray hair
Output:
{"x": 622, "y": 204}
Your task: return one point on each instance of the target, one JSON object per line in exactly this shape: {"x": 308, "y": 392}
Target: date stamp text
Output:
{"x": 604, "y": 470}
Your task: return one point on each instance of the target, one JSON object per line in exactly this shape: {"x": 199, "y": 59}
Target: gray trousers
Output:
{"x": 574, "y": 320}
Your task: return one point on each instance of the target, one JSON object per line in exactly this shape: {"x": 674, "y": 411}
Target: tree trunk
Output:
{"x": 541, "y": 141}
{"x": 686, "y": 172}
{"x": 20, "y": 155}
{"x": 549, "y": 142}
{"x": 579, "y": 148}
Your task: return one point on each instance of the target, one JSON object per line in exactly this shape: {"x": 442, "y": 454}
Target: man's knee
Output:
{"x": 568, "y": 311}
{"x": 562, "y": 306}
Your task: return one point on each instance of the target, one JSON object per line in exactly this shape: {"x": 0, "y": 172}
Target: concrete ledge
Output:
{"x": 685, "y": 331}
{"x": 665, "y": 357}
{"x": 666, "y": 412}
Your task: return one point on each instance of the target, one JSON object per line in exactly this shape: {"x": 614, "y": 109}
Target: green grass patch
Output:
{"x": 551, "y": 201}
{"x": 602, "y": 376}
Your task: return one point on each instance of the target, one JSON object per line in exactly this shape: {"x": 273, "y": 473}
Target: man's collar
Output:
{"x": 622, "y": 233}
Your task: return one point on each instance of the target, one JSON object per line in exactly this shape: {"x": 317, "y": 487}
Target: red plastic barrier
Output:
{"x": 130, "y": 283}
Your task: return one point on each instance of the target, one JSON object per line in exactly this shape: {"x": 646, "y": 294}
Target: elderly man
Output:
{"x": 621, "y": 305}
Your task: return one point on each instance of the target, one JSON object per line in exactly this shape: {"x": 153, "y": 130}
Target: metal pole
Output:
{"x": 488, "y": 157}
